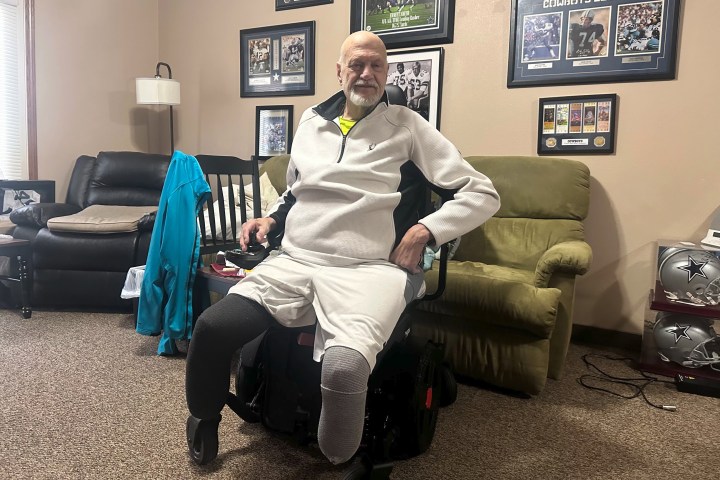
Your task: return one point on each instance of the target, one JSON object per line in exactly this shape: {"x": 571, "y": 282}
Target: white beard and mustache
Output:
{"x": 361, "y": 101}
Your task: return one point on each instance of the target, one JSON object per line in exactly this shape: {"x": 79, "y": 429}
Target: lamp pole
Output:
{"x": 172, "y": 129}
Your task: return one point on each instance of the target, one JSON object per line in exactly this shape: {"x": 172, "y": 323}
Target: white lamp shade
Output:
{"x": 157, "y": 91}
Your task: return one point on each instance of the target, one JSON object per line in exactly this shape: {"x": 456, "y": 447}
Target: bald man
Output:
{"x": 353, "y": 240}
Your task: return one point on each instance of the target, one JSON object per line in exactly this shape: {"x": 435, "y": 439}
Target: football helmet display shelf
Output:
{"x": 682, "y": 320}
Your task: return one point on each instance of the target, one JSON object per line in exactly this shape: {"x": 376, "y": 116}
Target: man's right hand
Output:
{"x": 260, "y": 226}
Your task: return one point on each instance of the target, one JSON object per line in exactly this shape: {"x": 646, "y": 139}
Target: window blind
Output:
{"x": 13, "y": 104}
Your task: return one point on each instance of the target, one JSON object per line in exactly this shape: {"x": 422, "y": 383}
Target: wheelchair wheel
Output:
{"x": 448, "y": 393}
{"x": 202, "y": 439}
{"x": 418, "y": 427}
{"x": 247, "y": 384}
{"x": 363, "y": 468}
{"x": 356, "y": 471}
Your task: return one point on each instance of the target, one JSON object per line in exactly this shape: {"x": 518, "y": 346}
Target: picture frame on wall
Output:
{"x": 289, "y": 4}
{"x": 273, "y": 130}
{"x": 405, "y": 23}
{"x": 578, "y": 125}
{"x": 15, "y": 194}
{"x": 419, "y": 74}
{"x": 278, "y": 60}
{"x": 560, "y": 43}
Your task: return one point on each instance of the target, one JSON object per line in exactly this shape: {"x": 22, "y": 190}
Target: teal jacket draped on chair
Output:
{"x": 165, "y": 305}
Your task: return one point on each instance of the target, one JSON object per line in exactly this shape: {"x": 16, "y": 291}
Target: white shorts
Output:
{"x": 356, "y": 303}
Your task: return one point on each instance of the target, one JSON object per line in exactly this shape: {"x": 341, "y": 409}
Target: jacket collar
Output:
{"x": 334, "y": 106}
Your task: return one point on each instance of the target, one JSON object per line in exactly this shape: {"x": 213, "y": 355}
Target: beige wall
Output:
{"x": 661, "y": 183}
{"x": 87, "y": 54}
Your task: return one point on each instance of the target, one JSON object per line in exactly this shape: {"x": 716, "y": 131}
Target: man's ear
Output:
{"x": 337, "y": 72}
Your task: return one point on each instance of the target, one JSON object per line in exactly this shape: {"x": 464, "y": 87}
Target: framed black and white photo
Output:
{"x": 418, "y": 73}
{"x": 557, "y": 42}
{"x": 405, "y": 23}
{"x": 15, "y": 194}
{"x": 278, "y": 60}
{"x": 577, "y": 125}
{"x": 273, "y": 130}
{"x": 288, "y": 4}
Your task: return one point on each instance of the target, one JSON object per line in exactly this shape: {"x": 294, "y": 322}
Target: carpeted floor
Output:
{"x": 83, "y": 396}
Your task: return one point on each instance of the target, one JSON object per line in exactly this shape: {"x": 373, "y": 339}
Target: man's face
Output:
{"x": 363, "y": 73}
{"x": 416, "y": 68}
{"x": 586, "y": 21}
{"x": 400, "y": 68}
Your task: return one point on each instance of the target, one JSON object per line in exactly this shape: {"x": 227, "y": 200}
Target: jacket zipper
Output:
{"x": 344, "y": 139}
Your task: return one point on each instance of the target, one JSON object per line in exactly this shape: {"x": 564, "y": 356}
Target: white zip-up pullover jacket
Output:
{"x": 356, "y": 195}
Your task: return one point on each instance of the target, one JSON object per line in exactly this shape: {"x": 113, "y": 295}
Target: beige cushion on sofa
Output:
{"x": 101, "y": 219}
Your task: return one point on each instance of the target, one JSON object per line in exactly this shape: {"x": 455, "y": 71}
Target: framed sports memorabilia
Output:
{"x": 577, "y": 125}
{"x": 273, "y": 130}
{"x": 405, "y": 23}
{"x": 278, "y": 60}
{"x": 288, "y": 4}
{"x": 560, "y": 42}
{"x": 419, "y": 74}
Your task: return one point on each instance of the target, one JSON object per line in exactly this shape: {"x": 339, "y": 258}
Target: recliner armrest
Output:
{"x": 570, "y": 257}
{"x": 37, "y": 214}
{"x": 147, "y": 222}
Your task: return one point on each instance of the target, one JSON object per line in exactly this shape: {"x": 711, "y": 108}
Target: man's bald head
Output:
{"x": 362, "y": 40}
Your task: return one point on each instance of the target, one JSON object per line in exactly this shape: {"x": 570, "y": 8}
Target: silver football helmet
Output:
{"x": 690, "y": 276}
{"x": 687, "y": 340}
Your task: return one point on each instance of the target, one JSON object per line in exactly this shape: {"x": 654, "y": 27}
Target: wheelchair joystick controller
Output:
{"x": 248, "y": 259}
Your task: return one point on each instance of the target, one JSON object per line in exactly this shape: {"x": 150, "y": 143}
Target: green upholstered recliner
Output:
{"x": 506, "y": 314}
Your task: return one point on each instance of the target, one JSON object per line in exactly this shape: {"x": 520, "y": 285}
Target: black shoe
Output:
{"x": 202, "y": 439}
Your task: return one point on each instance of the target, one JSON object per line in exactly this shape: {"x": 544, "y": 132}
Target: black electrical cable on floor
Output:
{"x": 636, "y": 384}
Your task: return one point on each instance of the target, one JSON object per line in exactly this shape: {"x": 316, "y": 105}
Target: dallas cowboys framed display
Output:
{"x": 288, "y": 4}
{"x": 273, "y": 130}
{"x": 577, "y": 125}
{"x": 405, "y": 23}
{"x": 278, "y": 60}
{"x": 557, "y": 42}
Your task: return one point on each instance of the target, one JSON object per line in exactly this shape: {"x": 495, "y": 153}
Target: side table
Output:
{"x": 22, "y": 250}
{"x": 206, "y": 281}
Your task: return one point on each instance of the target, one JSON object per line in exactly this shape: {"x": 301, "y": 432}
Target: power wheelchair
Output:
{"x": 278, "y": 384}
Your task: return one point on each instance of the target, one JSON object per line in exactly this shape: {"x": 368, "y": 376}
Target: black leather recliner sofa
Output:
{"x": 88, "y": 270}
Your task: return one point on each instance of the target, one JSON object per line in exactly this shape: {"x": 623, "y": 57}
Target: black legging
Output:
{"x": 219, "y": 332}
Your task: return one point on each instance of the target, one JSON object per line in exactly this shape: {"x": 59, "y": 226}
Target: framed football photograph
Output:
{"x": 278, "y": 60}
{"x": 405, "y": 23}
{"x": 418, "y": 73}
{"x": 577, "y": 125}
{"x": 559, "y": 42}
{"x": 273, "y": 130}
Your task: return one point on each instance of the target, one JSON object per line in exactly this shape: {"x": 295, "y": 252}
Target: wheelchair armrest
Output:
{"x": 275, "y": 239}
{"x": 442, "y": 274}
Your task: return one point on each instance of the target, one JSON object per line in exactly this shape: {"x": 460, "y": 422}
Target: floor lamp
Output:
{"x": 159, "y": 91}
